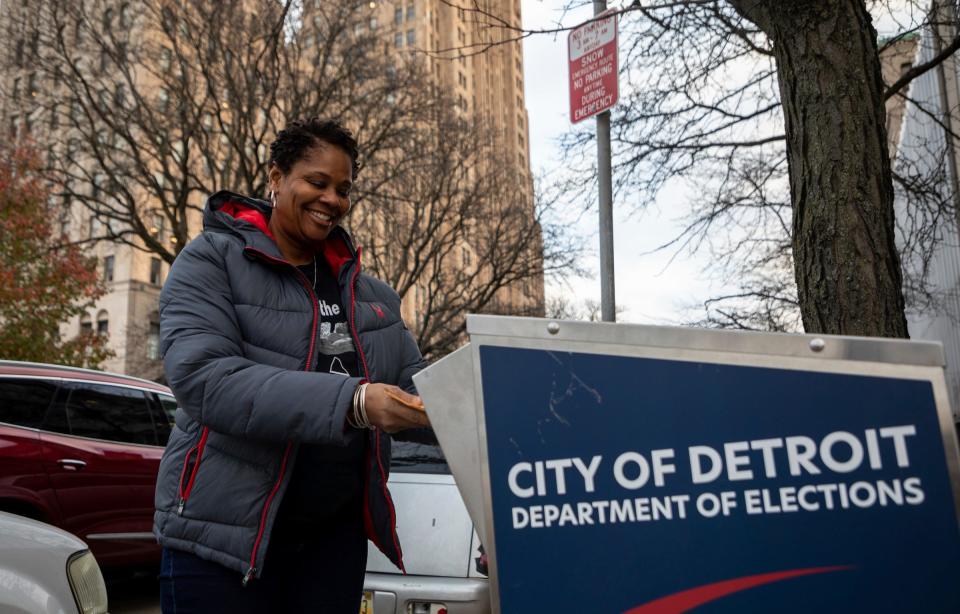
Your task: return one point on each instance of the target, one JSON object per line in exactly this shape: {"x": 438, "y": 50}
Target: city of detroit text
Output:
{"x": 838, "y": 452}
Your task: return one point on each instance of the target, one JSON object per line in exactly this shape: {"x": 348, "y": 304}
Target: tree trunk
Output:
{"x": 846, "y": 262}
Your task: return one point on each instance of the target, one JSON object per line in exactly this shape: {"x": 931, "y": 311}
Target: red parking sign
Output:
{"x": 592, "y": 51}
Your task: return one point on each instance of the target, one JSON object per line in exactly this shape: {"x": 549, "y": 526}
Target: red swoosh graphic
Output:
{"x": 694, "y": 597}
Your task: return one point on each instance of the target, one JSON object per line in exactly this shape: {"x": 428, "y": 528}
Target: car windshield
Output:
{"x": 416, "y": 457}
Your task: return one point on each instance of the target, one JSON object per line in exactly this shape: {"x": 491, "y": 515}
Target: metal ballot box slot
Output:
{"x": 623, "y": 468}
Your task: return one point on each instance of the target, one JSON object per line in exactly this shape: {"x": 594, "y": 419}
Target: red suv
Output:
{"x": 80, "y": 449}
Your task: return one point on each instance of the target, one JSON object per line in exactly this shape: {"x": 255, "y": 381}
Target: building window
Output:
{"x": 108, "y": 268}
{"x": 398, "y": 16}
{"x": 398, "y": 39}
{"x": 155, "y": 271}
{"x": 97, "y": 186}
{"x": 102, "y": 99}
{"x": 158, "y": 225}
{"x": 373, "y": 23}
{"x": 411, "y": 12}
{"x": 125, "y": 15}
{"x": 103, "y": 323}
{"x": 65, "y": 219}
{"x": 153, "y": 337}
{"x": 166, "y": 58}
{"x": 16, "y": 87}
{"x": 86, "y": 324}
{"x": 411, "y": 38}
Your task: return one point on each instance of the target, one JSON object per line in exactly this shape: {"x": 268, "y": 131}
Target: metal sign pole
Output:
{"x": 604, "y": 174}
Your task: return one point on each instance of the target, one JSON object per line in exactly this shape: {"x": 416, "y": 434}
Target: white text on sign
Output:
{"x": 838, "y": 452}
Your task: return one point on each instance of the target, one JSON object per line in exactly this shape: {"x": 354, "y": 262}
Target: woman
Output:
{"x": 275, "y": 474}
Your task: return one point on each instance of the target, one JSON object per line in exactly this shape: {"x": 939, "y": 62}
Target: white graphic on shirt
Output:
{"x": 334, "y": 343}
{"x": 328, "y": 310}
{"x": 337, "y": 367}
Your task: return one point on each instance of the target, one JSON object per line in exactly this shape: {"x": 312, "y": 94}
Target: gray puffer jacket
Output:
{"x": 238, "y": 326}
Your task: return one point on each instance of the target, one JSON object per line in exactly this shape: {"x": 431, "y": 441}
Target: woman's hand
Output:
{"x": 393, "y": 414}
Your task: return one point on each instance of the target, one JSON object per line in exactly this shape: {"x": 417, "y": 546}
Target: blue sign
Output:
{"x": 622, "y": 484}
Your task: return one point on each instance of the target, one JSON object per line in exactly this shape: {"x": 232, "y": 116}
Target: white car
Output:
{"x": 44, "y": 570}
{"x": 446, "y": 568}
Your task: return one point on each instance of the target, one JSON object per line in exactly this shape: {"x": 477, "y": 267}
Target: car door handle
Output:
{"x": 72, "y": 464}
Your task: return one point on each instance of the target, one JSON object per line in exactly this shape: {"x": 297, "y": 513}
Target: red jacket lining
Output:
{"x": 336, "y": 252}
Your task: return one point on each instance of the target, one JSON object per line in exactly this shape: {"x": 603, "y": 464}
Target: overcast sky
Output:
{"x": 650, "y": 288}
{"x": 651, "y": 291}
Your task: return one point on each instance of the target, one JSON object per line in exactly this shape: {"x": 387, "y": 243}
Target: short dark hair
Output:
{"x": 293, "y": 142}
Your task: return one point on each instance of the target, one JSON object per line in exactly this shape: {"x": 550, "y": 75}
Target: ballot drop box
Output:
{"x": 622, "y": 468}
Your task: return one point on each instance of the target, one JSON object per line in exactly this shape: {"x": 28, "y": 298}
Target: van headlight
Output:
{"x": 86, "y": 582}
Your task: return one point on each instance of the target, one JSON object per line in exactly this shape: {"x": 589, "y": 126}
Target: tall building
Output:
{"x": 462, "y": 47}
{"x": 927, "y": 151}
{"x": 487, "y": 87}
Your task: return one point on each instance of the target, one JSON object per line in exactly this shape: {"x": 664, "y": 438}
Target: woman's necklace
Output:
{"x": 314, "y": 271}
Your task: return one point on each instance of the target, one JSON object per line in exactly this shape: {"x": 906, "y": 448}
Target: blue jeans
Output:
{"x": 325, "y": 575}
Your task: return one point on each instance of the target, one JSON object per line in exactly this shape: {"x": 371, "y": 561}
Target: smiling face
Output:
{"x": 311, "y": 199}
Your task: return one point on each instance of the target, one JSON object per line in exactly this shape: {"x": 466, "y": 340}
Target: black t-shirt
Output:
{"x": 335, "y": 350}
{"x": 327, "y": 482}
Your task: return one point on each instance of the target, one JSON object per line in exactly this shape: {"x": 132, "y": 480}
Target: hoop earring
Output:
{"x": 273, "y": 199}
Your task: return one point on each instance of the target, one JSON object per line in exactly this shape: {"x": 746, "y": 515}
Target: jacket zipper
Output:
{"x": 366, "y": 374}
{"x": 185, "y": 491}
{"x": 252, "y": 569}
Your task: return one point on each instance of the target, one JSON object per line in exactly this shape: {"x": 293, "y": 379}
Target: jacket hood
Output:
{"x": 249, "y": 218}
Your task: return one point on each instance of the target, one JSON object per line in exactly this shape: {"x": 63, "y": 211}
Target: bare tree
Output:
{"x": 456, "y": 233}
{"x": 561, "y": 307}
{"x": 156, "y": 105}
{"x": 773, "y": 113}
